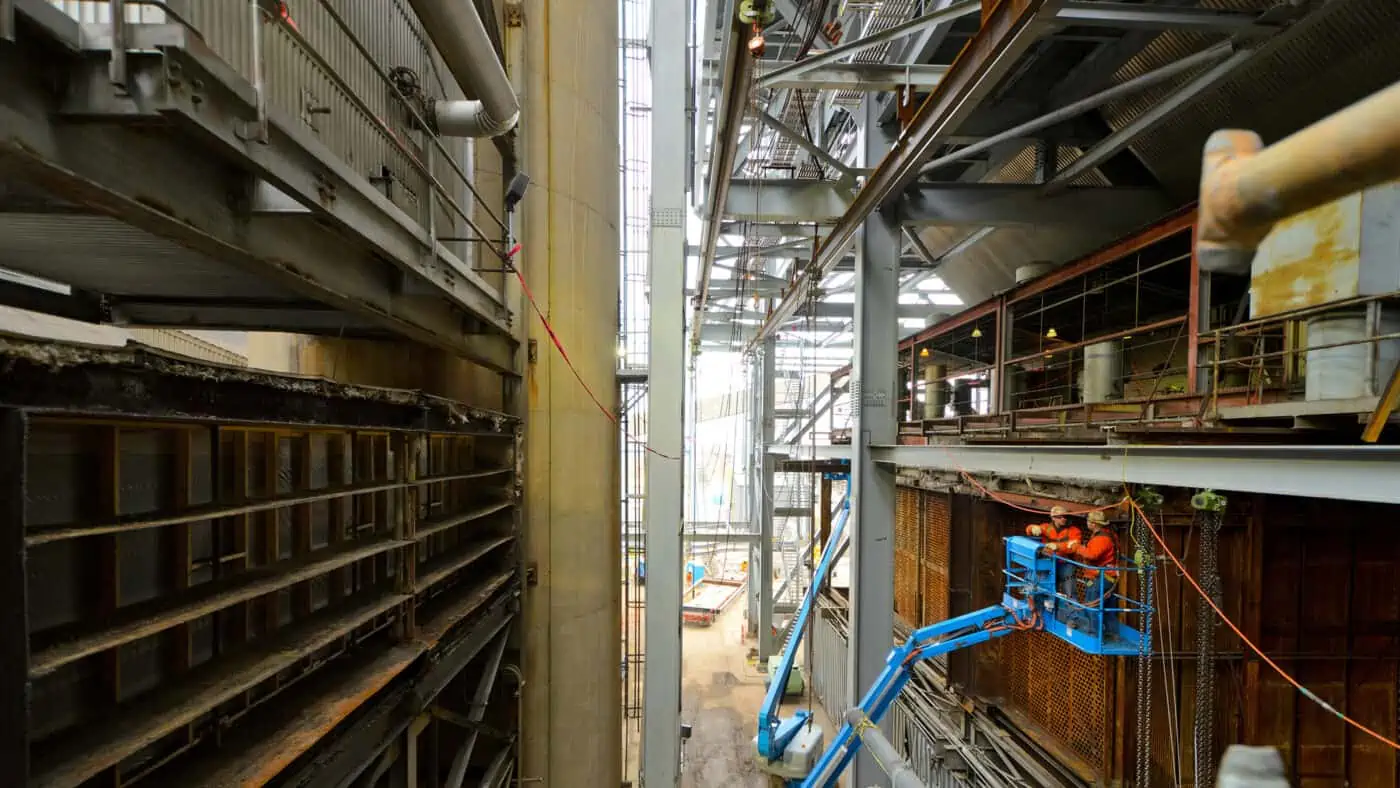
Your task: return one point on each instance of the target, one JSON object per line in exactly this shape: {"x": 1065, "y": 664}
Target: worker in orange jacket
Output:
{"x": 1101, "y": 550}
{"x": 1061, "y": 537}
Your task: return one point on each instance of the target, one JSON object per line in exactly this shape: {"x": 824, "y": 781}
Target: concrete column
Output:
{"x": 661, "y": 752}
{"x": 569, "y": 219}
{"x": 768, "y": 395}
{"x": 874, "y": 398}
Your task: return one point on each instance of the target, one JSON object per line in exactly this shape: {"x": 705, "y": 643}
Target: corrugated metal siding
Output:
{"x": 365, "y": 140}
{"x": 829, "y": 665}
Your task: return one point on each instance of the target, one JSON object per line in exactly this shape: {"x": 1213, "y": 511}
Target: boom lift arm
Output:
{"x": 1031, "y": 600}
{"x": 775, "y": 734}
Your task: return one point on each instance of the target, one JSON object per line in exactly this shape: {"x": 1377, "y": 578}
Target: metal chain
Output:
{"x": 1144, "y": 666}
{"x": 1210, "y": 510}
{"x": 1144, "y": 556}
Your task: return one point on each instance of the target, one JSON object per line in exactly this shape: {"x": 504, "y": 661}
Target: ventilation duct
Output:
{"x": 460, "y": 36}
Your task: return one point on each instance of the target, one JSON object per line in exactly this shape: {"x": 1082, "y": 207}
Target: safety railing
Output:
{"x": 1092, "y": 599}
{"x": 257, "y": 43}
{"x": 1275, "y": 349}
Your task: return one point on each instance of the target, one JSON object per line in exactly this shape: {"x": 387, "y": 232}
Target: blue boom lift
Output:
{"x": 1092, "y": 620}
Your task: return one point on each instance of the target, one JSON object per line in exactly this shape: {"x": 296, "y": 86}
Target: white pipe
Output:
{"x": 460, "y": 36}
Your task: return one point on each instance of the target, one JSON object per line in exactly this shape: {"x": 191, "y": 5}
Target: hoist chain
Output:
{"x": 1144, "y": 555}
{"x": 1210, "y": 510}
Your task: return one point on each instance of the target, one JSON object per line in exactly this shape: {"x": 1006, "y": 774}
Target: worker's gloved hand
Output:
{"x": 1047, "y": 549}
{"x": 1034, "y": 530}
{"x": 1071, "y": 544}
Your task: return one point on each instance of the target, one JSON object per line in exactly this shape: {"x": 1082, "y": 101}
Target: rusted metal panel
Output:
{"x": 259, "y": 552}
{"x": 934, "y": 557}
{"x": 906, "y": 555}
{"x": 1310, "y": 259}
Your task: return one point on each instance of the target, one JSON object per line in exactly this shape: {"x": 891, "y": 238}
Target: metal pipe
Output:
{"x": 461, "y": 38}
{"x": 1210, "y": 55}
{"x": 1246, "y": 188}
{"x": 901, "y": 775}
{"x": 259, "y": 130}
{"x": 116, "y": 68}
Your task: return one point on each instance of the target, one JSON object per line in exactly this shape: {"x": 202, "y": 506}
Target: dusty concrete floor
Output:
{"x": 720, "y": 695}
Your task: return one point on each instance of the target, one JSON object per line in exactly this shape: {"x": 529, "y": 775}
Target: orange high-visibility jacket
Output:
{"x": 1060, "y": 540}
{"x": 1100, "y": 550}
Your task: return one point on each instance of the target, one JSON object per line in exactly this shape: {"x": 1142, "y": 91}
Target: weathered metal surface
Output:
{"x": 1246, "y": 188}
{"x": 264, "y": 594}
{"x": 1336, "y": 251}
{"x": 167, "y": 710}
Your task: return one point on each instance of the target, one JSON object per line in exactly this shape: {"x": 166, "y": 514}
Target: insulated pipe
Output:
{"x": 901, "y": 775}
{"x": 460, "y": 36}
{"x": 1246, "y": 188}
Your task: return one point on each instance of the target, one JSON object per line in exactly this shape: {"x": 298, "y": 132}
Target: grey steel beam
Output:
{"x": 1135, "y": 16}
{"x": 1349, "y": 473}
{"x": 1007, "y": 32}
{"x": 949, "y": 204}
{"x": 766, "y": 511}
{"x": 874, "y": 399}
{"x": 835, "y": 54}
{"x": 734, "y": 98}
{"x": 661, "y": 699}
{"x": 802, "y": 142}
{"x": 1010, "y": 205}
{"x": 1123, "y": 137}
{"x": 868, "y": 77}
{"x": 477, "y": 711}
{"x": 1070, "y": 111}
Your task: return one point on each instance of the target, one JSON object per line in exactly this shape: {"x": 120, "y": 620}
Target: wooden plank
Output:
{"x": 87, "y": 753}
{"x": 166, "y": 613}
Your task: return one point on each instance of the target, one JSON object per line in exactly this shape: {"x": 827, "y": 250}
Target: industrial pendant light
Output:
{"x": 976, "y": 332}
{"x": 1051, "y": 334}
{"x": 923, "y": 353}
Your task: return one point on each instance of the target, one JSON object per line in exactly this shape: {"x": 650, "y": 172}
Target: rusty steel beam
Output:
{"x": 1246, "y": 188}
{"x": 1008, "y": 30}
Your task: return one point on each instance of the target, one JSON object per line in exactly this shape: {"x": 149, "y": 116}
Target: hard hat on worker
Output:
{"x": 1058, "y": 511}
{"x": 1098, "y": 518}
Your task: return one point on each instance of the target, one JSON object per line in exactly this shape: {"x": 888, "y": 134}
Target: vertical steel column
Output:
{"x": 661, "y": 698}
{"x": 874, "y": 399}
{"x": 14, "y": 605}
{"x": 768, "y": 394}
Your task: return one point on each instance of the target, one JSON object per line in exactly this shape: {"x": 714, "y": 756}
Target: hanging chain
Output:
{"x": 1210, "y": 511}
{"x": 1144, "y": 556}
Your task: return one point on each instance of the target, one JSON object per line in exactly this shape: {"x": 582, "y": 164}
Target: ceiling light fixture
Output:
{"x": 1051, "y": 334}
{"x": 976, "y": 332}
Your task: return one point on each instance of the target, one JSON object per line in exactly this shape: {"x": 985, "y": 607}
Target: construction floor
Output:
{"x": 720, "y": 695}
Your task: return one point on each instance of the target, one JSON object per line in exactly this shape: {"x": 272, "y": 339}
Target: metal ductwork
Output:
{"x": 460, "y": 36}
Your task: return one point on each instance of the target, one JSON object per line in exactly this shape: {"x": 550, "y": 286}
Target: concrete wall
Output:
{"x": 568, "y": 77}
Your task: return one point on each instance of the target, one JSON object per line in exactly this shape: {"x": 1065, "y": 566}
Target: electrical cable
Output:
{"x": 1307, "y": 693}
{"x": 564, "y": 354}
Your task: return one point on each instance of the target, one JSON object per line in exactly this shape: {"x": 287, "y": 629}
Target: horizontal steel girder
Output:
{"x": 198, "y": 184}
{"x": 952, "y": 204}
{"x": 868, "y": 77}
{"x": 1348, "y": 473}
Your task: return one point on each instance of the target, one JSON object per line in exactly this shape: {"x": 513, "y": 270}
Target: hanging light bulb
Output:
{"x": 1052, "y": 333}
{"x": 976, "y": 332}
{"x": 923, "y": 353}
